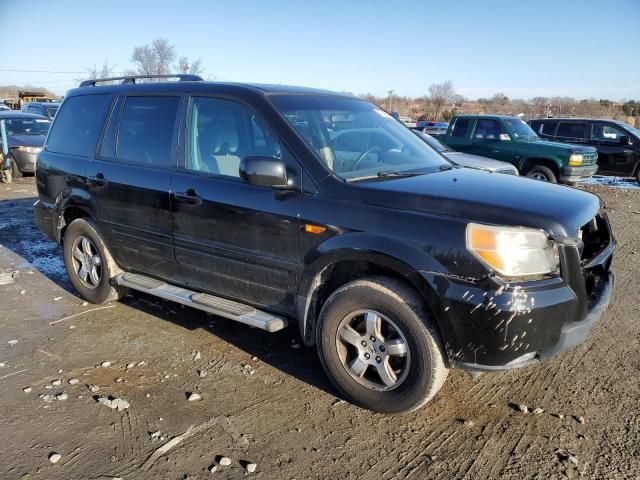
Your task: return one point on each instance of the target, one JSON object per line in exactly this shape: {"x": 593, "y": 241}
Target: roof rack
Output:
{"x": 182, "y": 77}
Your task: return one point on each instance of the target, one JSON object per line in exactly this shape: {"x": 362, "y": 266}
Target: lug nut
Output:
{"x": 373, "y": 339}
{"x": 367, "y": 356}
{"x": 378, "y": 359}
{"x": 381, "y": 347}
{"x": 363, "y": 343}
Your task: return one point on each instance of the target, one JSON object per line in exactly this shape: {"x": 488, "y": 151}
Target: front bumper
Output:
{"x": 575, "y": 174}
{"x": 26, "y": 161}
{"x": 490, "y": 325}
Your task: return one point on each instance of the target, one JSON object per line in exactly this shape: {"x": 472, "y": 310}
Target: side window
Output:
{"x": 606, "y": 133}
{"x": 32, "y": 109}
{"x": 548, "y": 128}
{"x": 223, "y": 132}
{"x": 78, "y": 125}
{"x": 146, "y": 130}
{"x": 572, "y": 130}
{"x": 460, "y": 127}
{"x": 488, "y": 129}
{"x": 108, "y": 148}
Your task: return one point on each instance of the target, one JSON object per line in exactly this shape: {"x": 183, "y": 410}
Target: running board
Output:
{"x": 203, "y": 301}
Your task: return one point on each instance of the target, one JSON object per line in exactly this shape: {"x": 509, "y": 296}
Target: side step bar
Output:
{"x": 203, "y": 301}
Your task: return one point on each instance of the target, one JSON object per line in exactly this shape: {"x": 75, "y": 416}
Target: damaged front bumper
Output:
{"x": 490, "y": 325}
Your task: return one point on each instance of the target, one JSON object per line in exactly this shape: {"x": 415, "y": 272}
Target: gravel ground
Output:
{"x": 265, "y": 407}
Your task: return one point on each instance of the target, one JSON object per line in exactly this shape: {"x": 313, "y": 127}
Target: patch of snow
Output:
{"x": 616, "y": 182}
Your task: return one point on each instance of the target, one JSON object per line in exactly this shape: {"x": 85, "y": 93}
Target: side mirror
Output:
{"x": 624, "y": 140}
{"x": 504, "y": 137}
{"x": 264, "y": 172}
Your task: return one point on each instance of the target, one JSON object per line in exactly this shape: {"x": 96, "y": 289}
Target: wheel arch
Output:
{"x": 528, "y": 163}
{"x": 337, "y": 267}
{"x": 69, "y": 206}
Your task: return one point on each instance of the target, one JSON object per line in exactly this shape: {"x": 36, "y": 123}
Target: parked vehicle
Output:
{"x": 21, "y": 138}
{"x": 510, "y": 139}
{"x": 241, "y": 200}
{"x": 432, "y": 128}
{"x": 465, "y": 159}
{"x": 618, "y": 143}
{"x": 46, "y": 109}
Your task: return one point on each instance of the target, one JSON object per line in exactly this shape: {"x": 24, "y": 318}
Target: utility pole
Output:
{"x": 390, "y": 97}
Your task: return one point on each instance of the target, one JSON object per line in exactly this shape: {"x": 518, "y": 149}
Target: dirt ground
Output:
{"x": 264, "y": 401}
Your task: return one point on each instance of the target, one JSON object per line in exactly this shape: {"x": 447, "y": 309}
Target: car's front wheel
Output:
{"x": 379, "y": 345}
{"x": 89, "y": 263}
{"x": 542, "y": 173}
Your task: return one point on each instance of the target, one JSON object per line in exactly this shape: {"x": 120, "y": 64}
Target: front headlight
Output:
{"x": 30, "y": 149}
{"x": 513, "y": 251}
{"x": 575, "y": 160}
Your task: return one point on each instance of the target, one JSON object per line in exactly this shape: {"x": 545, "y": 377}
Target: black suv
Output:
{"x": 618, "y": 143}
{"x": 248, "y": 201}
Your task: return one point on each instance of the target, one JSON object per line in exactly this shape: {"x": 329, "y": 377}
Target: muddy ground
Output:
{"x": 286, "y": 417}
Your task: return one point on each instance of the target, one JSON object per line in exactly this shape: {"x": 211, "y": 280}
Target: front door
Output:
{"x": 130, "y": 181}
{"x": 491, "y": 139}
{"x": 234, "y": 239}
{"x": 613, "y": 156}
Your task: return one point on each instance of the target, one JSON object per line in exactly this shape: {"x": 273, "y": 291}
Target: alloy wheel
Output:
{"x": 87, "y": 263}
{"x": 373, "y": 350}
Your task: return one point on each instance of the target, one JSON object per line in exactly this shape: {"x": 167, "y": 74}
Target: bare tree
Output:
{"x": 441, "y": 94}
{"x": 154, "y": 59}
{"x": 193, "y": 67}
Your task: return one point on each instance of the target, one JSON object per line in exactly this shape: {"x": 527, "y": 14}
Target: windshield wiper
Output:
{"x": 398, "y": 174}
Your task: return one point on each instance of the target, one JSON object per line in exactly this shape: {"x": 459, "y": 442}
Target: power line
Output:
{"x": 35, "y": 71}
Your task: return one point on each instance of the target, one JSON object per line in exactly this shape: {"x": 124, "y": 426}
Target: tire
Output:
{"x": 420, "y": 372}
{"x": 540, "y": 172}
{"x": 94, "y": 288}
{"x": 15, "y": 170}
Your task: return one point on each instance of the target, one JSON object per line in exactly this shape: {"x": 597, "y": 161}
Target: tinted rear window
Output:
{"x": 146, "y": 130}
{"x": 544, "y": 127}
{"x": 77, "y": 126}
{"x": 460, "y": 127}
{"x": 572, "y": 130}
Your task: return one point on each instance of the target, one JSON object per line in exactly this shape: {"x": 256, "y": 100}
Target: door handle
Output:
{"x": 190, "y": 197}
{"x": 98, "y": 180}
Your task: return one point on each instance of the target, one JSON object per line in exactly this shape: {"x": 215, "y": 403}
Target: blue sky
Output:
{"x": 579, "y": 48}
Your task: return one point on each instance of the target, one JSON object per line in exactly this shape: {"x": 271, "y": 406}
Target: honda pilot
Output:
{"x": 250, "y": 202}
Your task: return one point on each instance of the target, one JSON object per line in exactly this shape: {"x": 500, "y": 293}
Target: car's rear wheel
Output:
{"x": 89, "y": 263}
{"x": 542, "y": 173}
{"x": 380, "y": 347}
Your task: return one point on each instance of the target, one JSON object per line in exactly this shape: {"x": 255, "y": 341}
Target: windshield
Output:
{"x": 631, "y": 129}
{"x": 355, "y": 139}
{"x": 432, "y": 142}
{"x": 51, "y": 111}
{"x": 519, "y": 128}
{"x": 27, "y": 126}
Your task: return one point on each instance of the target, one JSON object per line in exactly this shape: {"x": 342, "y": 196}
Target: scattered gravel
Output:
{"x": 537, "y": 411}
{"x": 56, "y": 382}
{"x": 196, "y": 355}
{"x": 26, "y": 389}
{"x": 202, "y": 373}
{"x": 251, "y": 467}
{"x": 74, "y": 381}
{"x": 247, "y": 369}
{"x": 116, "y": 403}
{"x": 468, "y": 423}
{"x": 12, "y": 342}
{"x": 54, "y": 457}
{"x": 106, "y": 364}
{"x": 22, "y": 292}
{"x": 523, "y": 408}
{"x": 225, "y": 461}
{"x": 62, "y": 396}
{"x": 93, "y": 388}
{"x": 193, "y": 397}
{"x": 579, "y": 419}
{"x": 131, "y": 365}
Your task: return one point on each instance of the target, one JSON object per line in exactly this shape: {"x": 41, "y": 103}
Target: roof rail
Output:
{"x": 182, "y": 77}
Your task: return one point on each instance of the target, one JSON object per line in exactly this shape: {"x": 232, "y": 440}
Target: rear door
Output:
{"x": 131, "y": 177}
{"x": 613, "y": 155}
{"x": 234, "y": 239}
{"x": 458, "y": 138}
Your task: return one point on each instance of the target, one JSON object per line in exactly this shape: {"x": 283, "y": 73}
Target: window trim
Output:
{"x": 287, "y": 156}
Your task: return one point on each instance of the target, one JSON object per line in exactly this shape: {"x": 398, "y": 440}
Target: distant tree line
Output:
{"x": 443, "y": 102}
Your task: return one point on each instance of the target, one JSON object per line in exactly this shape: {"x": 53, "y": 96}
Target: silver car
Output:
{"x": 466, "y": 159}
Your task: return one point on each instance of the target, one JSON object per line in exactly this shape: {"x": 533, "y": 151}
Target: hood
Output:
{"x": 484, "y": 197}
{"x": 565, "y": 147}
{"x": 26, "y": 140}
{"x": 476, "y": 161}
